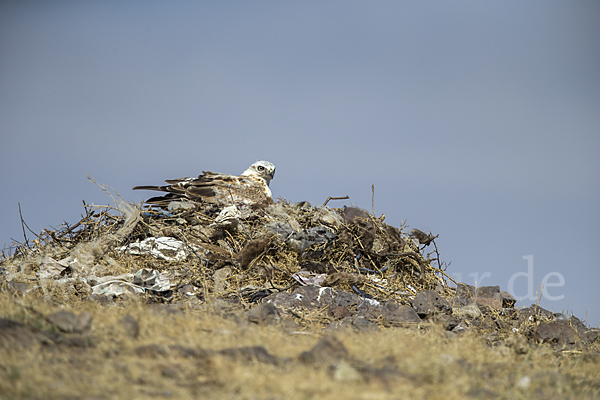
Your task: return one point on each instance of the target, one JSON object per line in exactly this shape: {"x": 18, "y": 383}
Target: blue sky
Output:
{"x": 478, "y": 121}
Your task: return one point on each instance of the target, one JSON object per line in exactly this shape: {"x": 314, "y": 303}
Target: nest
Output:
{"x": 231, "y": 253}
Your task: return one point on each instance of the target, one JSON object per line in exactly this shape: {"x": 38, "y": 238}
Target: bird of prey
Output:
{"x": 249, "y": 188}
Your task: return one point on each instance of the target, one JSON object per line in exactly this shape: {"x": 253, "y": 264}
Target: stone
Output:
{"x": 284, "y": 300}
{"x": 556, "y": 333}
{"x": 251, "y": 354}
{"x": 489, "y": 296}
{"x": 169, "y": 372}
{"x": 264, "y": 314}
{"x": 429, "y": 302}
{"x": 328, "y": 350}
{"x": 469, "y": 311}
{"x": 400, "y": 315}
{"x": 152, "y": 351}
{"x": 15, "y": 334}
{"x": 83, "y": 322}
{"x": 339, "y": 312}
{"x": 484, "y": 296}
{"x": 448, "y": 322}
{"x": 64, "y": 320}
{"x": 345, "y": 299}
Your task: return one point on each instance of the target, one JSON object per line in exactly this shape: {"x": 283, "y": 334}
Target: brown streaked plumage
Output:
{"x": 249, "y": 188}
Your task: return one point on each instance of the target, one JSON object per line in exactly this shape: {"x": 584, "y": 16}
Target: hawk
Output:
{"x": 249, "y": 188}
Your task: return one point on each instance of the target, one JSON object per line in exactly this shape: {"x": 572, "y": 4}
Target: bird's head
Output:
{"x": 263, "y": 169}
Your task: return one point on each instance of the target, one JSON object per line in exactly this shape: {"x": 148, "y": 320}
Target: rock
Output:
{"x": 451, "y": 335}
{"x": 169, "y": 372}
{"x": 75, "y": 341}
{"x": 556, "y": 334}
{"x": 535, "y": 313}
{"x": 251, "y": 354}
{"x": 484, "y": 296}
{"x": 428, "y": 303}
{"x": 584, "y": 333}
{"x": 63, "y": 320}
{"x": 398, "y": 315}
{"x": 309, "y": 297}
{"x": 327, "y": 351}
{"x": 489, "y": 296}
{"x": 83, "y": 322}
{"x": 357, "y": 323}
{"x": 151, "y": 351}
{"x": 284, "y": 300}
{"x": 15, "y": 334}
{"x": 345, "y": 299}
{"x": 158, "y": 350}
{"x": 469, "y": 311}
{"x": 339, "y": 312}
{"x": 264, "y": 314}
{"x": 448, "y": 322}
{"x": 384, "y": 370}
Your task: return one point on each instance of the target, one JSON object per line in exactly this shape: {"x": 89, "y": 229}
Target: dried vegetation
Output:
{"x": 208, "y": 315}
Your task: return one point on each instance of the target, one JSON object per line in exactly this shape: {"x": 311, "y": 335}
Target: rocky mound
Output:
{"x": 315, "y": 267}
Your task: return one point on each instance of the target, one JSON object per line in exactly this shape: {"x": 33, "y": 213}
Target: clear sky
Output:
{"x": 477, "y": 121}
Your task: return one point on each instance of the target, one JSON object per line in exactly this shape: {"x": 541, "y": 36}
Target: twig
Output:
{"x": 23, "y": 227}
{"x": 335, "y": 198}
{"x": 446, "y": 275}
{"x": 373, "y": 199}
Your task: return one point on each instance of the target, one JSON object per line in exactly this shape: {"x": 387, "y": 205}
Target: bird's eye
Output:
{"x": 261, "y": 168}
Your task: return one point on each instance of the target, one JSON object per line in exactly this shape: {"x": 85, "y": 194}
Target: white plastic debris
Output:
{"x": 142, "y": 280}
{"x": 116, "y": 287}
{"x": 152, "y": 279}
{"x": 371, "y": 302}
{"x": 165, "y": 248}
{"x": 50, "y": 268}
{"x": 306, "y": 278}
{"x": 228, "y": 218}
{"x": 180, "y": 206}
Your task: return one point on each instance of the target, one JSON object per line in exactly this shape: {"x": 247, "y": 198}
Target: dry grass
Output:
{"x": 413, "y": 363}
{"x": 177, "y": 352}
